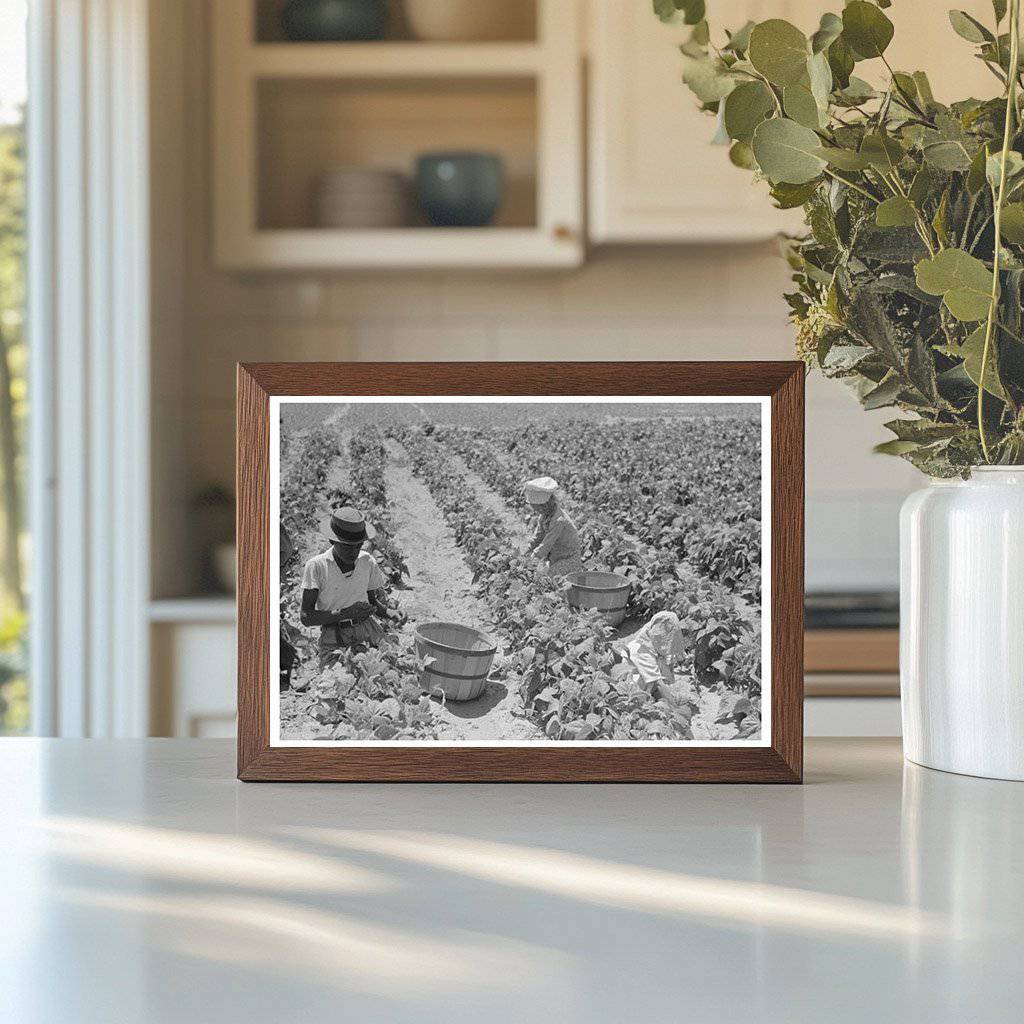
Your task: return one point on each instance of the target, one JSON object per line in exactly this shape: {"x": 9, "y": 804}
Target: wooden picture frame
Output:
{"x": 779, "y": 759}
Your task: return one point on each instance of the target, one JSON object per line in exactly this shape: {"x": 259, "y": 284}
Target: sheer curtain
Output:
{"x": 88, "y": 335}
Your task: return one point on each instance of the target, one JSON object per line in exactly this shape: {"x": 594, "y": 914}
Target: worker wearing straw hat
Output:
{"x": 556, "y": 541}
{"x": 343, "y": 587}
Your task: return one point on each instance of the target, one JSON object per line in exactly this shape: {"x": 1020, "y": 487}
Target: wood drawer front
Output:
{"x": 852, "y": 650}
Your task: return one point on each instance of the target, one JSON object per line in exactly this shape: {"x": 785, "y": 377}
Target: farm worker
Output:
{"x": 343, "y": 587}
{"x": 651, "y": 650}
{"x": 288, "y": 632}
{"x": 556, "y": 540}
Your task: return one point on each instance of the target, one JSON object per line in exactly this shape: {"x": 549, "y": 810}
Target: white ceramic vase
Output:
{"x": 962, "y": 624}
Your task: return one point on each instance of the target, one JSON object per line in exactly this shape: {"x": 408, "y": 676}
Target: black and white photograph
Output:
{"x": 519, "y": 571}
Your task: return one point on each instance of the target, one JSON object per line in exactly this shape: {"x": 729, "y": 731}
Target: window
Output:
{"x": 14, "y": 693}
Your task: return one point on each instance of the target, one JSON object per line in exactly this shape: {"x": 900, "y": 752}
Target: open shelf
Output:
{"x": 286, "y": 114}
{"x": 392, "y": 60}
{"x": 474, "y": 248}
{"x": 309, "y": 127}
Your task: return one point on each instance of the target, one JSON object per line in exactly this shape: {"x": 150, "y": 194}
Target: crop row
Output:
{"x": 372, "y": 694}
{"x": 722, "y": 629}
{"x": 691, "y": 487}
{"x": 570, "y": 678}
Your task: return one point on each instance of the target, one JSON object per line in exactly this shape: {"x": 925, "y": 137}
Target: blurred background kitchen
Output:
{"x": 367, "y": 180}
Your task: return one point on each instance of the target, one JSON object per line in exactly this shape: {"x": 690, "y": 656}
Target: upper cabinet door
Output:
{"x": 654, "y": 176}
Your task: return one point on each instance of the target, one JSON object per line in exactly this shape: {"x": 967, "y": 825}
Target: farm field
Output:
{"x": 669, "y": 500}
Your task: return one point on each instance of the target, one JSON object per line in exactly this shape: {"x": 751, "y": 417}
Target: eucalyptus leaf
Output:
{"x": 921, "y": 370}
{"x": 745, "y": 108}
{"x": 963, "y": 281}
{"x": 841, "y": 62}
{"x": 882, "y": 152}
{"x": 819, "y": 75}
{"x": 739, "y": 41}
{"x": 969, "y": 28}
{"x": 690, "y": 12}
{"x": 924, "y": 87}
{"x": 779, "y": 51}
{"x": 976, "y": 176}
{"x": 843, "y": 358}
{"x": 787, "y": 152}
{"x": 1012, "y": 223}
{"x": 829, "y": 30}
{"x": 708, "y": 80}
{"x": 701, "y": 34}
{"x": 857, "y": 91}
{"x": 869, "y": 323}
{"x": 801, "y": 106}
{"x": 905, "y": 84}
{"x": 896, "y": 447}
{"x": 666, "y": 10}
{"x": 844, "y": 159}
{"x": 947, "y": 156}
{"x": 895, "y": 212}
{"x": 993, "y": 167}
{"x": 922, "y": 185}
{"x": 788, "y": 196}
{"x": 866, "y": 29}
{"x": 922, "y": 431}
{"x": 741, "y": 155}
{"x": 972, "y": 351}
{"x": 883, "y": 395}
{"x": 721, "y": 136}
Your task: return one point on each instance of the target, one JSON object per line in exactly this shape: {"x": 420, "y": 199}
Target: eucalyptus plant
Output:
{"x": 910, "y": 278}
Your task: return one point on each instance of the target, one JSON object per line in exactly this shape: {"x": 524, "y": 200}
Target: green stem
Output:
{"x": 853, "y": 185}
{"x": 1011, "y": 108}
{"x": 909, "y": 100}
{"x": 775, "y": 98}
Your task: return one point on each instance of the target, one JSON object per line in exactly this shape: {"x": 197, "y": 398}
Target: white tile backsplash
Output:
{"x": 715, "y": 303}
{"x": 655, "y": 302}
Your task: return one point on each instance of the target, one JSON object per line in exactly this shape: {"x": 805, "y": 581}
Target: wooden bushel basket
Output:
{"x": 608, "y": 592}
{"x": 460, "y": 659}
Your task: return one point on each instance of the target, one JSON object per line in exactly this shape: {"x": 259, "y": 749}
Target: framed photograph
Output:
{"x": 578, "y": 572}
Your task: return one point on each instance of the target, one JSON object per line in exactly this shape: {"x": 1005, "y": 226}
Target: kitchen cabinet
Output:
{"x": 194, "y": 643}
{"x": 287, "y": 114}
{"x": 654, "y": 177}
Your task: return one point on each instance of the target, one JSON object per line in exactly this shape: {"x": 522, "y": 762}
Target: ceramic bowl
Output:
{"x": 470, "y": 20}
{"x": 359, "y": 197}
{"x": 460, "y": 189}
{"x": 333, "y": 21}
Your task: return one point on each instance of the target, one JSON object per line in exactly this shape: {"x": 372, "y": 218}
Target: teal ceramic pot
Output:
{"x": 460, "y": 189}
{"x": 334, "y": 21}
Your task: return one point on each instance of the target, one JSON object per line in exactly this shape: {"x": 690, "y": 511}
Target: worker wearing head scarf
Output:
{"x": 652, "y": 650}
{"x": 556, "y": 540}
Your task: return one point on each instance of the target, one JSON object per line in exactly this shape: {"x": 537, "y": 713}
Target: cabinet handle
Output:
{"x": 562, "y": 232}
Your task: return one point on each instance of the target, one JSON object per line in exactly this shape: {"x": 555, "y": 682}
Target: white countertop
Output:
{"x": 140, "y": 882}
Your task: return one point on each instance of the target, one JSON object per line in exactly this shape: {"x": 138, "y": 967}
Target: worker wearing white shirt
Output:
{"x": 343, "y": 588}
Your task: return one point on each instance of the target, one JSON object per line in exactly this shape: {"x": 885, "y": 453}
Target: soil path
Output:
{"x": 441, "y": 587}
{"x": 518, "y": 529}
